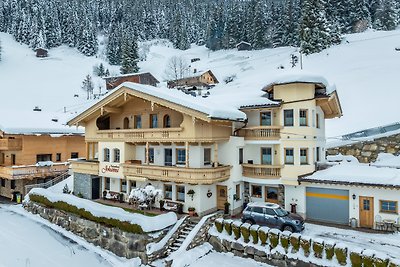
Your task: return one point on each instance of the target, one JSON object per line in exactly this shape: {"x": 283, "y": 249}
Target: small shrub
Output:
{"x": 356, "y": 259}
{"x": 228, "y": 226}
{"x": 329, "y": 251}
{"x": 318, "y": 248}
{"x": 295, "y": 242}
{"x": 245, "y": 230}
{"x": 263, "y": 235}
{"x": 380, "y": 262}
{"x": 305, "y": 245}
{"x": 341, "y": 255}
{"x": 285, "y": 241}
{"x": 273, "y": 238}
{"x": 236, "y": 231}
{"x": 392, "y": 263}
{"x": 218, "y": 225}
{"x": 367, "y": 260}
{"x": 254, "y": 234}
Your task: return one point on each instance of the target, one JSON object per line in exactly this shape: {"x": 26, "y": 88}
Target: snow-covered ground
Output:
{"x": 364, "y": 68}
{"x": 384, "y": 243}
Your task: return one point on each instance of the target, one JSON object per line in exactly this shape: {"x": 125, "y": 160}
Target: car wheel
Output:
{"x": 249, "y": 221}
{"x": 288, "y": 228}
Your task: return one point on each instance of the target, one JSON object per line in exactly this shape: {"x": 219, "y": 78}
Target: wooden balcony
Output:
{"x": 32, "y": 171}
{"x": 11, "y": 144}
{"x": 261, "y": 171}
{"x": 261, "y": 133}
{"x": 141, "y": 135}
{"x": 178, "y": 174}
{"x": 85, "y": 166}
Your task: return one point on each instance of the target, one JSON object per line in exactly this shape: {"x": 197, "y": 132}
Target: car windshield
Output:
{"x": 281, "y": 212}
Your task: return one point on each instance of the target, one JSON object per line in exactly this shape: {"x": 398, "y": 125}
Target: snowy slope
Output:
{"x": 364, "y": 68}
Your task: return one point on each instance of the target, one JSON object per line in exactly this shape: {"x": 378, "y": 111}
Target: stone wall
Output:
{"x": 202, "y": 235}
{"x": 120, "y": 243}
{"x": 367, "y": 151}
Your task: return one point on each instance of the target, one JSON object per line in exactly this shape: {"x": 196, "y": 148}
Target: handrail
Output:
{"x": 48, "y": 184}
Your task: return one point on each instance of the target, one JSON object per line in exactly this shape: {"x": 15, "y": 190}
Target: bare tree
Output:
{"x": 177, "y": 68}
{"x": 87, "y": 86}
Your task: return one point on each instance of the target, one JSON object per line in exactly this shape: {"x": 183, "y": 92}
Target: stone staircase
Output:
{"x": 176, "y": 242}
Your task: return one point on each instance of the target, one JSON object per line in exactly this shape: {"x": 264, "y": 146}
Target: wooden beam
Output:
{"x": 187, "y": 154}
{"x": 112, "y": 110}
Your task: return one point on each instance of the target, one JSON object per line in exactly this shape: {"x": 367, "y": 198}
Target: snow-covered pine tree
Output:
{"x": 114, "y": 47}
{"x": 215, "y": 28}
{"x": 130, "y": 56}
{"x": 386, "y": 17}
{"x": 231, "y": 32}
{"x": 359, "y": 15}
{"x": 314, "y": 30}
{"x": 258, "y": 25}
{"x": 1, "y": 50}
{"x": 87, "y": 43}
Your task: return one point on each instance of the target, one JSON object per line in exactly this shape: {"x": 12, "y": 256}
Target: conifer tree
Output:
{"x": 88, "y": 42}
{"x": 1, "y": 50}
{"x": 359, "y": 15}
{"x": 130, "y": 56}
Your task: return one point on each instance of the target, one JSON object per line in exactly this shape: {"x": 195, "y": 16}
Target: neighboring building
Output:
{"x": 367, "y": 193}
{"x": 32, "y": 154}
{"x": 204, "y": 80}
{"x": 244, "y": 46}
{"x": 142, "y": 78}
{"x": 366, "y": 144}
{"x": 41, "y": 52}
{"x": 235, "y": 149}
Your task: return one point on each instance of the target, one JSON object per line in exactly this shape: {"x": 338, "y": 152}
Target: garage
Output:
{"x": 327, "y": 205}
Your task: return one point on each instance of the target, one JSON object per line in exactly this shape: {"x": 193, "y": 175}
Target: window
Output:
{"x": 117, "y": 155}
{"x": 126, "y": 123}
{"x": 240, "y": 155}
{"x": 106, "y": 155}
{"x": 168, "y": 191}
{"x": 3, "y": 182}
{"x": 271, "y": 194}
{"x": 153, "y": 121}
{"x": 58, "y": 157}
{"x": 388, "y": 206}
{"x": 207, "y": 156}
{"x": 151, "y": 155}
{"x": 317, "y": 119}
{"x": 167, "y": 121}
{"x": 39, "y": 157}
{"x": 303, "y": 156}
{"x": 180, "y": 193}
{"x": 138, "y": 122}
{"x": 303, "y": 117}
{"x": 288, "y": 119}
{"x": 289, "y": 156}
{"x": 12, "y": 185}
{"x": 180, "y": 156}
{"x": 259, "y": 210}
{"x": 318, "y": 154}
{"x": 13, "y": 159}
{"x": 270, "y": 212}
{"x": 74, "y": 155}
{"x": 256, "y": 191}
{"x": 107, "y": 183}
{"x": 265, "y": 118}
{"x": 124, "y": 188}
{"x": 132, "y": 184}
{"x": 237, "y": 192}
{"x": 266, "y": 155}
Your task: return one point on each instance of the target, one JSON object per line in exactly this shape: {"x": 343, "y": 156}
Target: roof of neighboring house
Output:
{"x": 356, "y": 174}
{"x": 131, "y": 75}
{"x": 243, "y": 42}
{"x": 197, "y": 76}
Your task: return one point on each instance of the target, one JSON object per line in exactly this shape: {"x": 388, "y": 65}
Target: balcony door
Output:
{"x": 266, "y": 156}
{"x": 168, "y": 156}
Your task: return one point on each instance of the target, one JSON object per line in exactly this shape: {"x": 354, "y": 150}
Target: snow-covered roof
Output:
{"x": 300, "y": 77}
{"x": 356, "y": 174}
{"x": 127, "y": 75}
{"x": 387, "y": 160}
{"x": 37, "y": 122}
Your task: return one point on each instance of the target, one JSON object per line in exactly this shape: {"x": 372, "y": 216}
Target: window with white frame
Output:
{"x": 151, "y": 155}
{"x": 117, "y": 155}
{"x": 107, "y": 183}
{"x": 207, "y": 156}
{"x": 303, "y": 117}
{"x": 180, "y": 156}
{"x": 106, "y": 153}
{"x": 124, "y": 188}
{"x": 180, "y": 193}
{"x": 303, "y": 156}
{"x": 265, "y": 118}
{"x": 289, "y": 156}
{"x": 288, "y": 117}
{"x": 168, "y": 191}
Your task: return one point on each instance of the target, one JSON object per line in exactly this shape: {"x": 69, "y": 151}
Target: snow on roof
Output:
{"x": 342, "y": 158}
{"x": 299, "y": 76}
{"x": 127, "y": 75}
{"x": 357, "y": 174}
{"x": 37, "y": 122}
{"x": 148, "y": 224}
{"x": 387, "y": 160}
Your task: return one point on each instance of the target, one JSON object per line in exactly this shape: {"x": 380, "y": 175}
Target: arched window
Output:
{"x": 126, "y": 123}
{"x": 106, "y": 154}
{"x": 167, "y": 121}
{"x": 117, "y": 155}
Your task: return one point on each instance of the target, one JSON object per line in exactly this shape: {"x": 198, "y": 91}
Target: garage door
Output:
{"x": 327, "y": 205}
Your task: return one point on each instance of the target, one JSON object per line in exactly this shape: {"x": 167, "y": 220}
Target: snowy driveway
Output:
{"x": 385, "y": 243}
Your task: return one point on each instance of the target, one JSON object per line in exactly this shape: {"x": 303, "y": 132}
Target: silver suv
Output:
{"x": 273, "y": 216}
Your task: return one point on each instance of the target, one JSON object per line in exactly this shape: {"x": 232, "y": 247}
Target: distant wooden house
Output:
{"x": 142, "y": 78}
{"x": 204, "y": 80}
{"x": 41, "y": 52}
{"x": 244, "y": 46}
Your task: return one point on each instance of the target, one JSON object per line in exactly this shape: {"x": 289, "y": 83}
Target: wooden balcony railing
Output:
{"x": 11, "y": 144}
{"x": 261, "y": 133}
{"x": 141, "y": 134}
{"x": 33, "y": 171}
{"x": 261, "y": 171}
{"x": 178, "y": 174}
{"x": 83, "y": 166}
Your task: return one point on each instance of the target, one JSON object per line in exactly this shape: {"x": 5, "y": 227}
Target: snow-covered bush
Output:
{"x": 219, "y": 224}
{"x": 295, "y": 242}
{"x": 236, "y": 229}
{"x": 284, "y": 238}
{"x": 356, "y": 258}
{"x": 245, "y": 230}
{"x": 305, "y": 244}
{"x": 263, "y": 234}
{"x": 228, "y": 226}
{"x": 144, "y": 196}
{"x": 329, "y": 250}
{"x": 341, "y": 254}
{"x": 381, "y": 260}
{"x": 273, "y": 236}
{"x": 318, "y": 247}
{"x": 254, "y": 233}
{"x": 66, "y": 189}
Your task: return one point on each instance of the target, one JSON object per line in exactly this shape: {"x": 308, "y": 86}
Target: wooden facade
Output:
{"x": 205, "y": 79}
{"x": 141, "y": 78}
{"x": 41, "y": 52}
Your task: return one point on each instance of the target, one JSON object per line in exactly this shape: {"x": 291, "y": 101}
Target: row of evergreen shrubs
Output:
{"x": 294, "y": 243}
{"x": 63, "y": 206}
